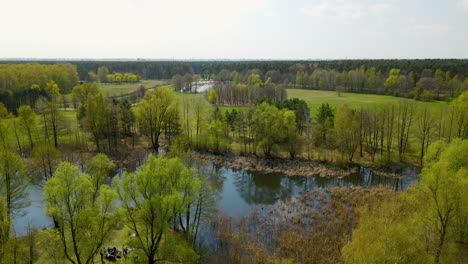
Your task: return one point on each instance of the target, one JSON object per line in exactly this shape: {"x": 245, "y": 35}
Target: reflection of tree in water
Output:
{"x": 257, "y": 188}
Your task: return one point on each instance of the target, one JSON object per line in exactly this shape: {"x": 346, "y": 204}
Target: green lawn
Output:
{"x": 315, "y": 98}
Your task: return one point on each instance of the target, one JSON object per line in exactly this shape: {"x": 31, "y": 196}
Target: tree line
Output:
{"x": 425, "y": 86}
{"x": 23, "y": 84}
{"x": 104, "y": 76}
{"x": 236, "y": 93}
{"x": 148, "y": 69}
{"x": 397, "y": 132}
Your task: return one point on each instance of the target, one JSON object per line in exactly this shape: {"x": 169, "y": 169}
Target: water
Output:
{"x": 241, "y": 191}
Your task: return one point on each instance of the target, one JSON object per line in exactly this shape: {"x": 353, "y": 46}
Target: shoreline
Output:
{"x": 296, "y": 167}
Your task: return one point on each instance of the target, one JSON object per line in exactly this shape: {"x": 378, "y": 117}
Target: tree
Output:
{"x": 404, "y": 122}
{"x": 392, "y": 83}
{"x": 152, "y": 198}
{"x": 325, "y": 118}
{"x": 292, "y": 138}
{"x": 178, "y": 82}
{"x": 347, "y": 131}
{"x": 99, "y": 168}
{"x": 218, "y": 141}
{"x": 425, "y": 126}
{"x": 102, "y": 73}
{"x": 96, "y": 117}
{"x": 27, "y": 120}
{"x": 5, "y": 223}
{"x": 13, "y": 180}
{"x": 53, "y": 118}
{"x": 265, "y": 120}
{"x": 83, "y": 225}
{"x": 46, "y": 157}
{"x": 386, "y": 233}
{"x": 443, "y": 185}
{"x": 213, "y": 97}
{"x": 154, "y": 112}
{"x": 82, "y": 91}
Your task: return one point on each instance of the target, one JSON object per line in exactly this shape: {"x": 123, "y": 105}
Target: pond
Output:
{"x": 241, "y": 191}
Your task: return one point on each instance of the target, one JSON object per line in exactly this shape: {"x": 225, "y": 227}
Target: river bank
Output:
{"x": 289, "y": 167}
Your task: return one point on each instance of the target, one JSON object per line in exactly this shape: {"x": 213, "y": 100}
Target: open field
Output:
{"x": 110, "y": 89}
{"x": 315, "y": 98}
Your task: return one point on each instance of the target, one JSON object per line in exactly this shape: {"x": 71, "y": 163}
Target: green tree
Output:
{"x": 292, "y": 138}
{"x": 83, "y": 225}
{"x": 27, "y": 120}
{"x": 268, "y": 127}
{"x": 154, "y": 113}
{"x": 347, "y": 131}
{"x": 213, "y": 97}
{"x": 392, "y": 83}
{"x": 52, "y": 89}
{"x": 5, "y": 224}
{"x": 13, "y": 180}
{"x": 218, "y": 141}
{"x": 96, "y": 118}
{"x": 82, "y": 91}
{"x": 386, "y": 233}
{"x": 99, "y": 168}
{"x": 102, "y": 73}
{"x": 151, "y": 199}
{"x": 443, "y": 185}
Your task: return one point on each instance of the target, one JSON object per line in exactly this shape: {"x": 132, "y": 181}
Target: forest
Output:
{"x": 240, "y": 173}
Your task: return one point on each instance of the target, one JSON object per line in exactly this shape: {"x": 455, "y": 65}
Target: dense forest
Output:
{"x": 148, "y": 69}
{"x": 144, "y": 175}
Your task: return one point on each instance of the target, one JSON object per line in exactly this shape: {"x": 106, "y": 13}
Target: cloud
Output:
{"x": 344, "y": 12}
{"x": 463, "y": 4}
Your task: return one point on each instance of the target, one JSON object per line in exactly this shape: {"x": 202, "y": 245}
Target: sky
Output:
{"x": 234, "y": 29}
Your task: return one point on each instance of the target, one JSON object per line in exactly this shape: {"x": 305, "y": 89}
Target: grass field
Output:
{"x": 119, "y": 89}
{"x": 315, "y": 98}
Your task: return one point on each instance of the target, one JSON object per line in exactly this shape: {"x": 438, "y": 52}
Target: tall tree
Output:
{"x": 444, "y": 180}
{"x": 99, "y": 168}
{"x": 96, "y": 118}
{"x": 102, "y": 73}
{"x": 27, "y": 120}
{"x": 83, "y": 225}
{"x": 152, "y": 198}
{"x": 13, "y": 180}
{"x": 347, "y": 131}
{"x": 154, "y": 112}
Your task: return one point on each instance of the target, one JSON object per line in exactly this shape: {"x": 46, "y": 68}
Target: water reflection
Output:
{"x": 243, "y": 190}
{"x": 240, "y": 190}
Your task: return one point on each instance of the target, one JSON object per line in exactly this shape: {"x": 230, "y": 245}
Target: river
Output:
{"x": 240, "y": 191}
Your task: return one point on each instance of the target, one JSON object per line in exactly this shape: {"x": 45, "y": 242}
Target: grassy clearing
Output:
{"x": 315, "y": 98}
{"x": 109, "y": 89}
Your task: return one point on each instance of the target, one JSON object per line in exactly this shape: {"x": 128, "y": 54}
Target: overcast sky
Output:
{"x": 234, "y": 29}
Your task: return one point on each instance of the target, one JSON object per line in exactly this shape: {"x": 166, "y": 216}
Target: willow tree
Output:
{"x": 82, "y": 224}
{"x": 151, "y": 199}
{"x": 154, "y": 112}
{"x": 99, "y": 168}
{"x": 443, "y": 185}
